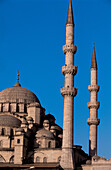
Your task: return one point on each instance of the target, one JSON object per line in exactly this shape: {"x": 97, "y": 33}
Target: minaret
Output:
{"x": 93, "y": 105}
{"x": 68, "y": 92}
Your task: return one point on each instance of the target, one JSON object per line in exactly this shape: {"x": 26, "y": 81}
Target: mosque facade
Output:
{"x": 30, "y": 139}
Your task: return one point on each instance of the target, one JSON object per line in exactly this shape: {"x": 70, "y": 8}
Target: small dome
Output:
{"x": 53, "y": 128}
{"x": 57, "y": 127}
{"x": 46, "y": 121}
{"x": 18, "y": 94}
{"x": 44, "y": 133}
{"x": 9, "y": 121}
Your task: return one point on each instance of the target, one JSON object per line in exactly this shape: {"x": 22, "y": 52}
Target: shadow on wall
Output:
{"x": 92, "y": 152}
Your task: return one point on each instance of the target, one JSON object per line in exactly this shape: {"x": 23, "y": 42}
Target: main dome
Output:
{"x": 18, "y": 94}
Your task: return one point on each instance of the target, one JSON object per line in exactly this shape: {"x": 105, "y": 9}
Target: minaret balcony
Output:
{"x": 91, "y": 121}
{"x": 93, "y": 88}
{"x": 69, "y": 48}
{"x": 93, "y": 105}
{"x": 69, "y": 69}
{"x": 69, "y": 91}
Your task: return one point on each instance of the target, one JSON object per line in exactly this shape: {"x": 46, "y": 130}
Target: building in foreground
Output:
{"x": 30, "y": 139}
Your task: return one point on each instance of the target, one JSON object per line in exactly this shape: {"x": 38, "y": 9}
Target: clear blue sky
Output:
{"x": 32, "y": 33}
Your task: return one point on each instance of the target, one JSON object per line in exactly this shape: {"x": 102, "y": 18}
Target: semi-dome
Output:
{"x": 9, "y": 121}
{"x": 44, "y": 133}
{"x": 18, "y": 94}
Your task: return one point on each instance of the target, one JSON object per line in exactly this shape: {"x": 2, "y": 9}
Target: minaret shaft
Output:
{"x": 93, "y": 77}
{"x": 68, "y": 92}
{"x": 69, "y": 59}
{"x": 68, "y": 122}
{"x": 69, "y": 34}
{"x": 93, "y": 140}
{"x": 69, "y": 80}
{"x": 93, "y": 105}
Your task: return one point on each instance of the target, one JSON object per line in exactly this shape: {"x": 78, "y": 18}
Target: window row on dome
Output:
{"x": 45, "y": 143}
{"x": 13, "y": 107}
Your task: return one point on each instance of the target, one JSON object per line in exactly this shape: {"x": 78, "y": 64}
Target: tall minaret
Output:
{"x": 93, "y": 105}
{"x": 68, "y": 92}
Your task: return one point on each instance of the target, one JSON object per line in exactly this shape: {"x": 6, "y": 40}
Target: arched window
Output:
{"x": 11, "y": 132}
{"x": 2, "y": 159}
{"x": 3, "y": 132}
{"x": 59, "y": 158}
{"x": 18, "y": 140}
{"x": 17, "y": 107}
{"x": 44, "y": 160}
{"x": 2, "y": 107}
{"x": 25, "y": 108}
{"x": 37, "y": 159}
{"x": 9, "y": 109}
{"x": 49, "y": 144}
{"x": 11, "y": 159}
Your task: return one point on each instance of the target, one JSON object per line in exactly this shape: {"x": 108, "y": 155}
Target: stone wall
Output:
{"x": 47, "y": 155}
{"x": 7, "y": 155}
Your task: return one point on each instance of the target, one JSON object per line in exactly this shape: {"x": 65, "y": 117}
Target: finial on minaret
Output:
{"x": 17, "y": 83}
{"x": 94, "y": 62}
{"x": 70, "y": 19}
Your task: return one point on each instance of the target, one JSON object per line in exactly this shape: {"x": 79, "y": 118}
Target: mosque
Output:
{"x": 30, "y": 139}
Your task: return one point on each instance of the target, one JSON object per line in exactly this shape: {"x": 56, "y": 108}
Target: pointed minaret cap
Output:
{"x": 70, "y": 19}
{"x": 17, "y": 84}
{"x": 94, "y": 62}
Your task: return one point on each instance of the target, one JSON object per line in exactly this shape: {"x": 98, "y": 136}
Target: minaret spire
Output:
{"x": 94, "y": 62}
{"x": 93, "y": 105}
{"x": 17, "y": 83}
{"x": 68, "y": 92}
{"x": 70, "y": 19}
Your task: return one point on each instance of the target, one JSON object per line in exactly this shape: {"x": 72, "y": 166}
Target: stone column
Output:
{"x": 93, "y": 105}
{"x": 68, "y": 92}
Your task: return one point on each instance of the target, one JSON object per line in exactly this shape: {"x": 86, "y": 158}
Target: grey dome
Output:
{"x": 18, "y": 94}
{"x": 9, "y": 121}
{"x": 44, "y": 133}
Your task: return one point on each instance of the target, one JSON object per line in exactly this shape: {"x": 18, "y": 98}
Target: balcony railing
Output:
{"x": 69, "y": 70}
{"x": 68, "y": 91}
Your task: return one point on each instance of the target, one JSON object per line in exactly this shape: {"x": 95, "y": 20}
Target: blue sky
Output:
{"x": 32, "y": 33}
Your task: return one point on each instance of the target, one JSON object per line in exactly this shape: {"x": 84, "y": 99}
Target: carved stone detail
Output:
{"x": 68, "y": 91}
{"x": 93, "y": 121}
{"x": 69, "y": 69}
{"x": 93, "y": 88}
{"x": 93, "y": 105}
{"x": 35, "y": 104}
{"x": 69, "y": 48}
